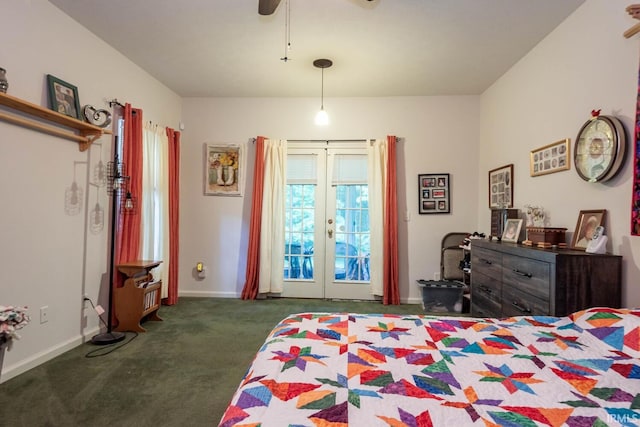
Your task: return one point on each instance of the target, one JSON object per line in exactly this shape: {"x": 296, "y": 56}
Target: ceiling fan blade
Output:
{"x": 267, "y": 7}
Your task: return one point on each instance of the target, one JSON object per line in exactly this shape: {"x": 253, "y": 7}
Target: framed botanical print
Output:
{"x": 501, "y": 187}
{"x": 223, "y": 169}
{"x": 433, "y": 193}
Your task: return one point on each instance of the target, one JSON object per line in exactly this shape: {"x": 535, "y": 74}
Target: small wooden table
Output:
{"x": 139, "y": 298}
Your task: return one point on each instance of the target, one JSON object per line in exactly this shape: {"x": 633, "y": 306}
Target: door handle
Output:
{"x": 330, "y": 231}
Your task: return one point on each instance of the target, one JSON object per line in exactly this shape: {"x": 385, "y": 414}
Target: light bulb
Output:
{"x": 128, "y": 203}
{"x": 322, "y": 118}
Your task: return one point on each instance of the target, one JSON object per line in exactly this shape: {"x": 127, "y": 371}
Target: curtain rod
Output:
{"x": 398, "y": 139}
{"x": 113, "y": 102}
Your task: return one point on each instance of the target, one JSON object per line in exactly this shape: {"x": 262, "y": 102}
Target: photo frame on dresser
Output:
{"x": 501, "y": 187}
{"x": 586, "y": 225}
{"x": 433, "y": 193}
{"x": 512, "y": 229}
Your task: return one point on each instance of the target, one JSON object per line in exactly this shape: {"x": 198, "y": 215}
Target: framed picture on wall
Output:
{"x": 501, "y": 187}
{"x": 223, "y": 169}
{"x": 433, "y": 193}
{"x": 63, "y": 97}
{"x": 550, "y": 158}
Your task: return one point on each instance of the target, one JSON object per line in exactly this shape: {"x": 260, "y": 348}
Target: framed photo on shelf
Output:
{"x": 501, "y": 187}
{"x": 223, "y": 169}
{"x": 433, "y": 193}
{"x": 511, "y": 231}
{"x": 586, "y": 225}
{"x": 550, "y": 158}
{"x": 63, "y": 97}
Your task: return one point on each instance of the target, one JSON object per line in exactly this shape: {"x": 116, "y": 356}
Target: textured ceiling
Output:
{"x": 223, "y": 48}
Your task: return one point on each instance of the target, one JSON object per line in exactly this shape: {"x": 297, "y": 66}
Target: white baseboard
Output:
{"x": 213, "y": 294}
{"x": 23, "y": 366}
{"x": 208, "y": 294}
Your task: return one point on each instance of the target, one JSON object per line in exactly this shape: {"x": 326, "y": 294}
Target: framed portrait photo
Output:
{"x": 223, "y": 169}
{"x": 501, "y": 187}
{"x": 550, "y": 158}
{"x": 63, "y": 97}
{"x": 511, "y": 231}
{"x": 433, "y": 193}
{"x": 586, "y": 225}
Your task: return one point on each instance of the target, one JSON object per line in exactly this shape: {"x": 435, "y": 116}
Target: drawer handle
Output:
{"x": 485, "y": 289}
{"x": 486, "y": 261}
{"x": 521, "y": 308}
{"x": 523, "y": 274}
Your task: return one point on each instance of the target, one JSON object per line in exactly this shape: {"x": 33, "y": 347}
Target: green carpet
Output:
{"x": 182, "y": 372}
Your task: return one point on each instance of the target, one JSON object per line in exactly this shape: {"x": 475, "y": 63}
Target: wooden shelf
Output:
{"x": 39, "y": 118}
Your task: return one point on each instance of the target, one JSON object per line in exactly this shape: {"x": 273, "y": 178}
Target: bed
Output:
{"x": 328, "y": 369}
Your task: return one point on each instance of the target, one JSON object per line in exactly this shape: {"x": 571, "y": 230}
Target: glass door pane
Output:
{"x": 348, "y": 234}
{"x": 304, "y": 219}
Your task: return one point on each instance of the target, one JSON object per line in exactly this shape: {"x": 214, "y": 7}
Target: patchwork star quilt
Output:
{"x": 328, "y": 369}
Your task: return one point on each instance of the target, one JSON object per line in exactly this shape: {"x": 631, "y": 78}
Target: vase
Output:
{"x": 230, "y": 178}
{"x": 4, "y": 84}
{"x": 219, "y": 178}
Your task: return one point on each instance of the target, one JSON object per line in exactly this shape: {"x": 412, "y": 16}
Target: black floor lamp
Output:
{"x": 118, "y": 186}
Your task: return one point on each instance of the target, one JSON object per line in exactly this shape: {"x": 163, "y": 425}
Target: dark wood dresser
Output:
{"x": 509, "y": 279}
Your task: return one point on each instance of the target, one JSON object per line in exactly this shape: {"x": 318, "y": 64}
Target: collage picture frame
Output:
{"x": 551, "y": 158}
{"x": 501, "y": 187}
{"x": 434, "y": 195}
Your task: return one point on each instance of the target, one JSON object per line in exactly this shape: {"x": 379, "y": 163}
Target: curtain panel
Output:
{"x": 154, "y": 201}
{"x": 250, "y": 290}
{"x": 128, "y": 232}
{"x": 174, "y": 215}
{"x": 390, "y": 271}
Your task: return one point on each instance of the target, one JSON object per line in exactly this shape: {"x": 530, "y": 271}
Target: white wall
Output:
{"x": 46, "y": 257}
{"x": 585, "y": 64}
{"x": 439, "y": 136}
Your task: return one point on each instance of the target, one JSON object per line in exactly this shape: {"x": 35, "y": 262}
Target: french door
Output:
{"x": 327, "y": 233}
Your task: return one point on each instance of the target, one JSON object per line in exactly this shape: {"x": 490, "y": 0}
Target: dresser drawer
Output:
{"x": 483, "y": 309}
{"x": 527, "y": 275}
{"x": 515, "y": 302}
{"x": 485, "y": 286}
{"x": 487, "y": 262}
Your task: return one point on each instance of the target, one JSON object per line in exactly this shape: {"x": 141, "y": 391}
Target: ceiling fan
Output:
{"x": 267, "y": 7}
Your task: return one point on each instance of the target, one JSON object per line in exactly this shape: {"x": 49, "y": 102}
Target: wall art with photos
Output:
{"x": 550, "y": 158}
{"x": 433, "y": 193}
{"x": 63, "y": 97}
{"x": 223, "y": 169}
{"x": 586, "y": 225}
{"x": 501, "y": 187}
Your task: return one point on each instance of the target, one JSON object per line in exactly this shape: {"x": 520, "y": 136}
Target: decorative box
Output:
{"x": 546, "y": 236}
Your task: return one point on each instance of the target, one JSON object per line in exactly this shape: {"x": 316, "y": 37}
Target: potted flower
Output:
{"x": 11, "y": 319}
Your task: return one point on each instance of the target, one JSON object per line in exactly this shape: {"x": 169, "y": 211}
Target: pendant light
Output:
{"x": 322, "y": 118}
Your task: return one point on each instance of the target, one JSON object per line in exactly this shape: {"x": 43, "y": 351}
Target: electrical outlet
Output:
{"x": 44, "y": 314}
{"x": 436, "y": 276}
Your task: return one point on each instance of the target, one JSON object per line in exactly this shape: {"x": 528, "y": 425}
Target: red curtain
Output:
{"x": 174, "y": 215}
{"x": 250, "y": 290}
{"x": 128, "y": 232}
{"x": 391, "y": 292}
